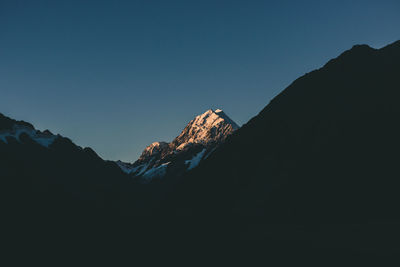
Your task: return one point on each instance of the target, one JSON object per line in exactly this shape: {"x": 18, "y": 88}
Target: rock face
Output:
{"x": 152, "y": 150}
{"x": 211, "y": 126}
{"x": 196, "y": 142}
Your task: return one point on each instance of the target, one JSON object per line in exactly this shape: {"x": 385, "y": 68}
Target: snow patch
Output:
{"x": 195, "y": 160}
{"x": 127, "y": 167}
{"x": 43, "y": 139}
{"x": 156, "y": 171}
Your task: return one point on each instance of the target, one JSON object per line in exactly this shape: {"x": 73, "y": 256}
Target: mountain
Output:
{"x": 196, "y": 142}
{"x": 318, "y": 166}
{"x": 47, "y": 175}
{"x": 64, "y": 195}
{"x": 326, "y": 149}
{"x": 15, "y": 131}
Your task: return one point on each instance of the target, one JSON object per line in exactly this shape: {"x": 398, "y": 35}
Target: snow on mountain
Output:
{"x": 156, "y": 171}
{"x": 42, "y": 138}
{"x": 197, "y": 141}
{"x": 211, "y": 126}
{"x": 154, "y": 148}
{"x": 195, "y": 160}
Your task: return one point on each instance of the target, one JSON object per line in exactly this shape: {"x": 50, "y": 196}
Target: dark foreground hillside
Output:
{"x": 317, "y": 169}
{"x": 63, "y": 180}
{"x": 323, "y": 154}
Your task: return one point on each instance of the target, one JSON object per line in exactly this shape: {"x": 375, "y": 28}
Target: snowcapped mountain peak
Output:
{"x": 196, "y": 142}
{"x": 211, "y": 118}
{"x": 211, "y": 126}
{"x": 228, "y": 120}
{"x": 154, "y": 148}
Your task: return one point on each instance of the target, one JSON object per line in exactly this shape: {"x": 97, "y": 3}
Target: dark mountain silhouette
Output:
{"x": 325, "y": 150}
{"x": 318, "y": 166}
{"x": 45, "y": 176}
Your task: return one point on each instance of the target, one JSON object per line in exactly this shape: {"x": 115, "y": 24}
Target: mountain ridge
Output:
{"x": 197, "y": 141}
{"x": 318, "y": 167}
{"x": 331, "y": 127}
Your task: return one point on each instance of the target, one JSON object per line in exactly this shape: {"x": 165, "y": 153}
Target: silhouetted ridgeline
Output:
{"x": 326, "y": 148}
{"x": 48, "y": 176}
{"x": 319, "y": 164}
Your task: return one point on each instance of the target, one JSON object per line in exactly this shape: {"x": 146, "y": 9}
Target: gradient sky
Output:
{"x": 119, "y": 75}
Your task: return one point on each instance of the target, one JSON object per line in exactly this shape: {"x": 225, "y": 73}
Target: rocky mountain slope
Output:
{"x": 196, "y": 142}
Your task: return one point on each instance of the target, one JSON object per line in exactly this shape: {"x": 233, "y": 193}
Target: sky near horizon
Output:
{"x": 119, "y": 75}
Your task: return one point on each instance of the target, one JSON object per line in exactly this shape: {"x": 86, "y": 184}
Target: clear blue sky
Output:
{"x": 118, "y": 75}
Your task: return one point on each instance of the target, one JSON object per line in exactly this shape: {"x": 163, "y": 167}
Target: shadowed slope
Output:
{"x": 326, "y": 148}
